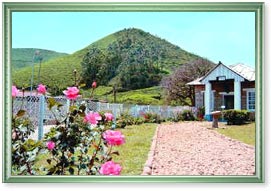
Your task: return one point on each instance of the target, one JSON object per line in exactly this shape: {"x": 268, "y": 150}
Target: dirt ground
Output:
{"x": 189, "y": 148}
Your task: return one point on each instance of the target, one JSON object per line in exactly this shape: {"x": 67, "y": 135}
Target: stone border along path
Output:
{"x": 189, "y": 148}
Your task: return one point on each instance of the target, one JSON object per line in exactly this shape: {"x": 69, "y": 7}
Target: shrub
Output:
{"x": 125, "y": 119}
{"x": 252, "y": 116}
{"x": 24, "y": 149}
{"x": 152, "y": 118}
{"x": 201, "y": 113}
{"x": 187, "y": 115}
{"x": 139, "y": 120}
{"x": 177, "y": 117}
{"x": 236, "y": 117}
{"x": 81, "y": 143}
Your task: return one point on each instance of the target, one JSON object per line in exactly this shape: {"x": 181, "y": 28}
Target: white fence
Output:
{"x": 36, "y": 107}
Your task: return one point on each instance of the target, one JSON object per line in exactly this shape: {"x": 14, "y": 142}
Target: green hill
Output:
{"x": 23, "y": 57}
{"x": 129, "y": 50}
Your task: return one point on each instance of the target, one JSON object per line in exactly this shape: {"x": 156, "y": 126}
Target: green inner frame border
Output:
{"x": 256, "y": 7}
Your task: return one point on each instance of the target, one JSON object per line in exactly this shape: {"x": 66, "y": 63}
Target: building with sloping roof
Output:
{"x": 225, "y": 87}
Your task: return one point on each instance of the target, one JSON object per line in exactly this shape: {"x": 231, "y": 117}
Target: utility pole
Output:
{"x": 115, "y": 93}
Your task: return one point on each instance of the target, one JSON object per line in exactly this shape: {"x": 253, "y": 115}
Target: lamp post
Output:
{"x": 74, "y": 73}
{"x": 32, "y": 75}
{"x": 37, "y": 57}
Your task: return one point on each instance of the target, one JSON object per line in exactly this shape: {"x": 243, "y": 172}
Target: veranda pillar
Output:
{"x": 237, "y": 95}
{"x": 207, "y": 101}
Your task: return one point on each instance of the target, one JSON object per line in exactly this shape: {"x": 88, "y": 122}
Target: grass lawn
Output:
{"x": 244, "y": 133}
{"x": 134, "y": 153}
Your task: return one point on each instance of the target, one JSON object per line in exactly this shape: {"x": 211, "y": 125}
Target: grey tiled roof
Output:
{"x": 243, "y": 70}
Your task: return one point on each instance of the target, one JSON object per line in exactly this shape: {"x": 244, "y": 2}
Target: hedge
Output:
{"x": 236, "y": 117}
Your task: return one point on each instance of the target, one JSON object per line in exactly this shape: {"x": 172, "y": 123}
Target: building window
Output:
{"x": 251, "y": 100}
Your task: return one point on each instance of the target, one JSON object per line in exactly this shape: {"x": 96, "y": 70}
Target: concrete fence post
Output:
{"x": 41, "y": 116}
{"x": 68, "y": 105}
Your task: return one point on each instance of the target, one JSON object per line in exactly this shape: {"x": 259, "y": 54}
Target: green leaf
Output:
{"x": 31, "y": 144}
{"x": 83, "y": 166}
{"x": 71, "y": 119}
{"x": 59, "y": 105}
{"x": 74, "y": 112}
{"x": 82, "y": 85}
{"x": 49, "y": 161}
{"x": 82, "y": 114}
{"x": 82, "y": 108}
{"x": 51, "y": 102}
{"x": 52, "y": 170}
{"x": 72, "y": 108}
{"x": 20, "y": 113}
{"x": 71, "y": 170}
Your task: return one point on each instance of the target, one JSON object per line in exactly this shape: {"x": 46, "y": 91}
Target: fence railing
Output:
{"x": 39, "y": 114}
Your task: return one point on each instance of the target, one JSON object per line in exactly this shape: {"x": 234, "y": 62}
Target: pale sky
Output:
{"x": 219, "y": 36}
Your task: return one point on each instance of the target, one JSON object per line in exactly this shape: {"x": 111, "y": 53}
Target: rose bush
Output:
{"x": 24, "y": 149}
{"x": 50, "y": 145}
{"x": 110, "y": 168}
{"x": 94, "y": 85}
{"x": 109, "y": 116}
{"x": 14, "y": 91}
{"x": 92, "y": 118}
{"x": 71, "y": 93}
{"x": 81, "y": 143}
{"x": 113, "y": 138}
{"x": 41, "y": 89}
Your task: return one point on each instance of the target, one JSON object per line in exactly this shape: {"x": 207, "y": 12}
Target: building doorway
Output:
{"x": 229, "y": 101}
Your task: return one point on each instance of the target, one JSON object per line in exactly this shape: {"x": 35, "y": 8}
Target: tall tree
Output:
{"x": 100, "y": 66}
{"x": 175, "y": 88}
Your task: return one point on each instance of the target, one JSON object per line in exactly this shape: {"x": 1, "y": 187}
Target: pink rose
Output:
{"x": 94, "y": 85}
{"x": 108, "y": 116}
{"x": 113, "y": 137}
{"x": 14, "y": 91}
{"x": 41, "y": 89}
{"x": 50, "y": 145}
{"x": 110, "y": 168}
{"x": 71, "y": 93}
{"x": 92, "y": 118}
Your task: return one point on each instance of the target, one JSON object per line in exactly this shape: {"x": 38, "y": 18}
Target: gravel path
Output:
{"x": 189, "y": 148}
